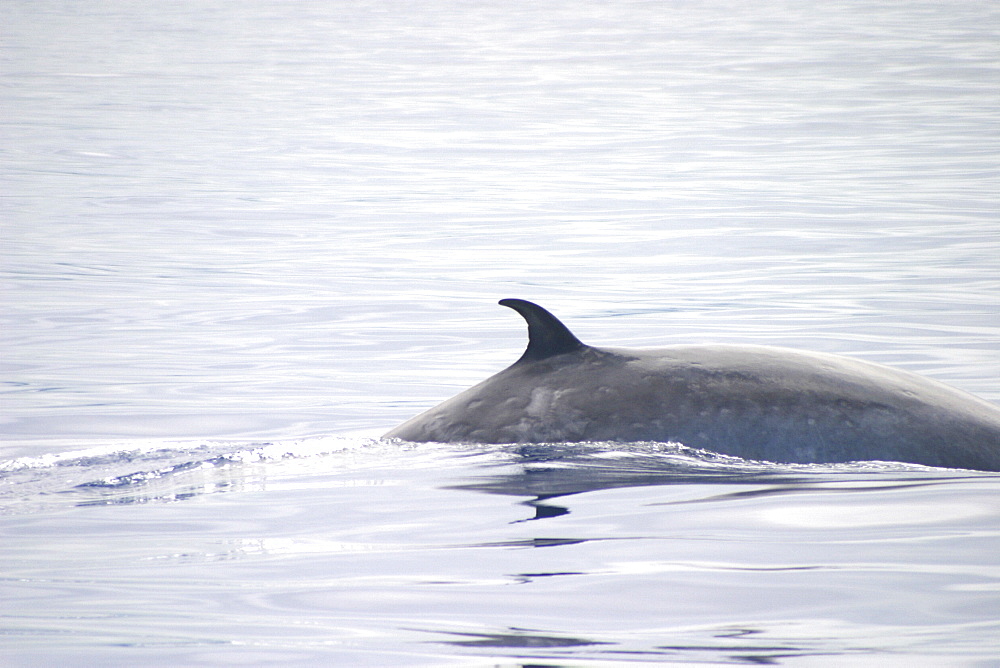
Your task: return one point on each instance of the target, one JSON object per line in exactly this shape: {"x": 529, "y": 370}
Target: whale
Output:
{"x": 754, "y": 402}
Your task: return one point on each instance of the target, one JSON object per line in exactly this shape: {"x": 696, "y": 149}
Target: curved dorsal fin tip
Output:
{"x": 547, "y": 336}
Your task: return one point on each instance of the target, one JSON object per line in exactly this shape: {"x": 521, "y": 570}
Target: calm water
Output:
{"x": 240, "y": 241}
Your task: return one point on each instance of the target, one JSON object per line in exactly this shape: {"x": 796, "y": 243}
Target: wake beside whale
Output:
{"x": 754, "y": 402}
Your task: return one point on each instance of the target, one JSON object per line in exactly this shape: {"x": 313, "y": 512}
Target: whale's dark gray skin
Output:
{"x": 754, "y": 402}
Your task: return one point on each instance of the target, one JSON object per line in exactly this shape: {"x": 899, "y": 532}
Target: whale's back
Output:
{"x": 754, "y": 402}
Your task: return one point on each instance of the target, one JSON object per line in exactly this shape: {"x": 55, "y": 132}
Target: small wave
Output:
{"x": 548, "y": 471}
{"x": 151, "y": 470}
{"x": 122, "y": 466}
{"x": 664, "y": 457}
{"x": 146, "y": 451}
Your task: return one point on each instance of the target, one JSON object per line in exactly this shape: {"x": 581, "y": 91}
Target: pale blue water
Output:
{"x": 241, "y": 240}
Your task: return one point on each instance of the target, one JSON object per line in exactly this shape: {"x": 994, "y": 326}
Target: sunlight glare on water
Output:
{"x": 885, "y": 514}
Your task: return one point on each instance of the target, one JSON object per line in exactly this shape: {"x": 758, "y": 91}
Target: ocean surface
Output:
{"x": 240, "y": 241}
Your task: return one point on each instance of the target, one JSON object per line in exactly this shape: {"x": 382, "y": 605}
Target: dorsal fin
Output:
{"x": 546, "y": 335}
